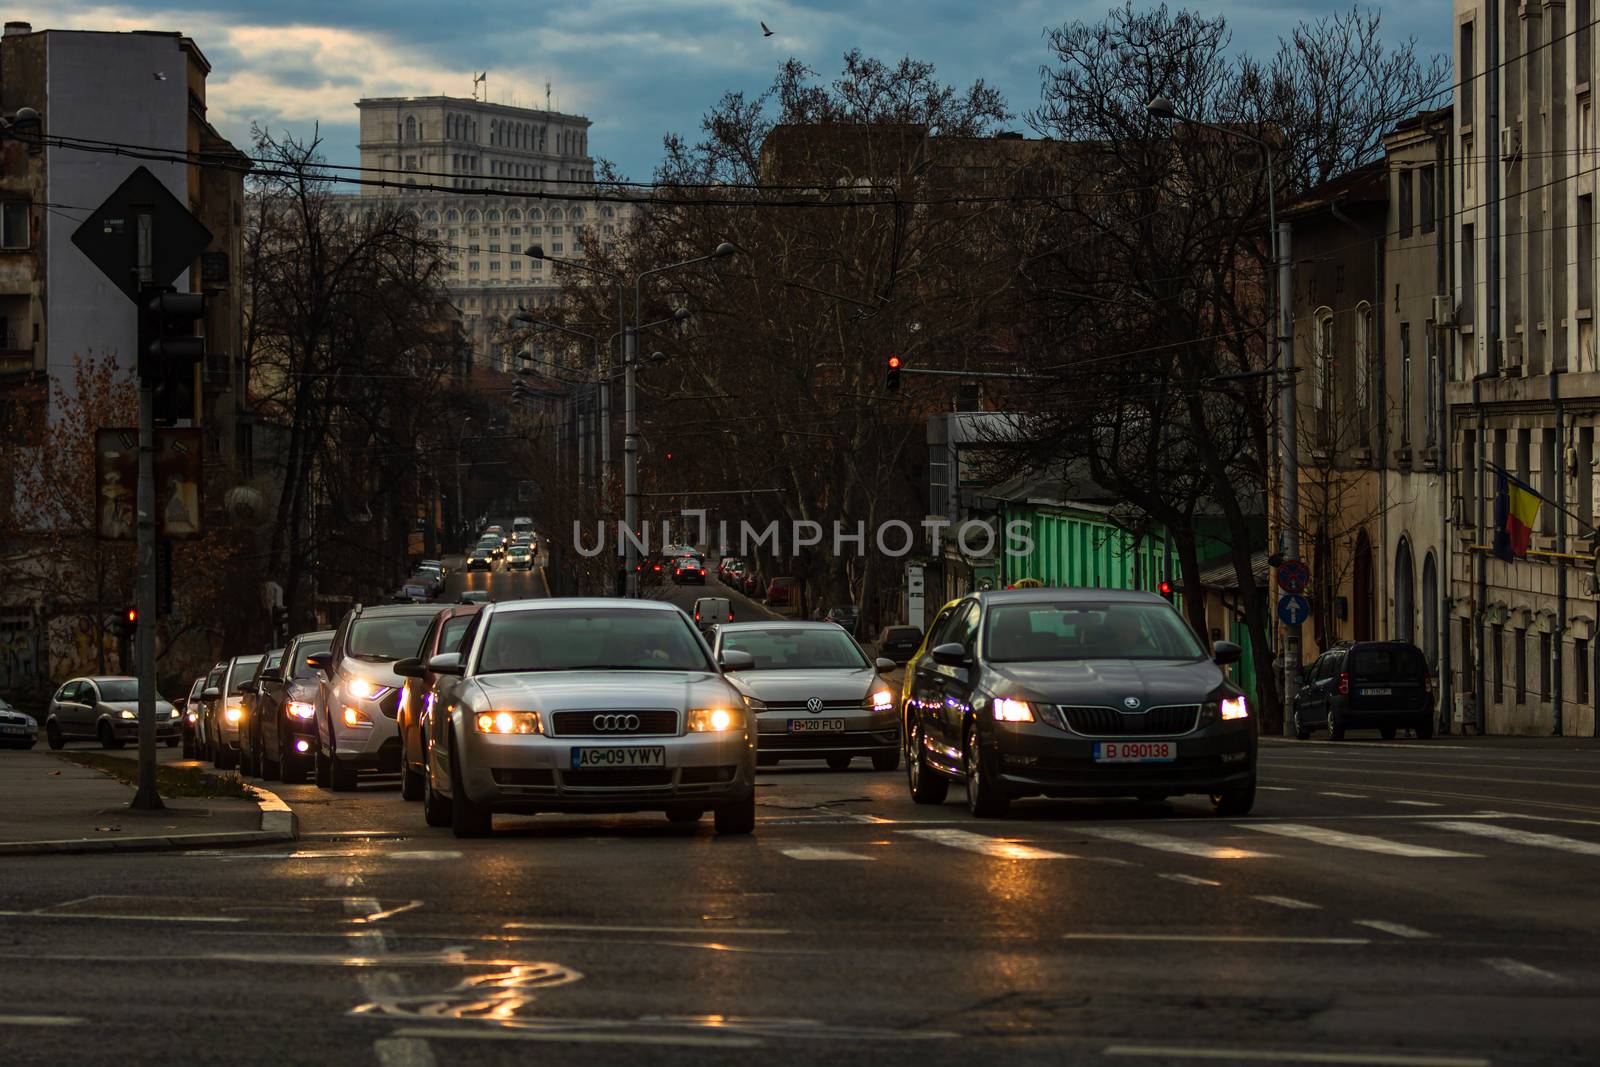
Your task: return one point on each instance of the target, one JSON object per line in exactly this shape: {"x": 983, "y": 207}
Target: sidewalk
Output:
{"x": 50, "y": 805}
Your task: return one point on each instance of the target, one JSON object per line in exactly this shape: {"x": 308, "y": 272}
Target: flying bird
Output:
{"x": 764, "y": 31}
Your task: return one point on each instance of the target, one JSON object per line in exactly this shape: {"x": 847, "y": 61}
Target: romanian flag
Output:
{"x": 1516, "y": 509}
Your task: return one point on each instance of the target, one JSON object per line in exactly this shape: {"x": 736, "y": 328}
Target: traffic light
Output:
{"x": 1165, "y": 589}
{"x": 127, "y": 624}
{"x": 892, "y": 384}
{"x": 169, "y": 349}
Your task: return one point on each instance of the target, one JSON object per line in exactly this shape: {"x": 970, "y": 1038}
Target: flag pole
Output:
{"x": 1530, "y": 489}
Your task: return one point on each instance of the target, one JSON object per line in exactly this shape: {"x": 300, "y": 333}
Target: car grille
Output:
{"x": 12, "y": 720}
{"x": 827, "y": 705}
{"x": 581, "y": 724}
{"x": 706, "y": 775}
{"x": 620, "y": 776}
{"x": 516, "y": 776}
{"x": 1109, "y": 722}
{"x": 390, "y": 704}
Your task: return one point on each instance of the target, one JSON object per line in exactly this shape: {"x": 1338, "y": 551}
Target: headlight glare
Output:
{"x": 881, "y": 700}
{"x": 300, "y": 709}
{"x": 508, "y": 722}
{"x": 130, "y": 714}
{"x": 1234, "y": 708}
{"x": 714, "y": 720}
{"x": 359, "y": 688}
{"x": 355, "y": 717}
{"x": 233, "y": 715}
{"x": 1008, "y": 710}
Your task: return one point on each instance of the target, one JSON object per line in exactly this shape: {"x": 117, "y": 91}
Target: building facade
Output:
{"x": 489, "y": 181}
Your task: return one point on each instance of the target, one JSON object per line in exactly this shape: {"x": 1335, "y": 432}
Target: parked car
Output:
{"x": 843, "y": 615}
{"x": 285, "y": 731}
{"x": 249, "y": 727}
{"x": 413, "y": 593}
{"x": 586, "y": 705}
{"x": 358, "y": 700}
{"x": 689, "y": 569}
{"x": 104, "y": 709}
{"x": 443, "y": 636}
{"x": 815, "y": 694}
{"x": 17, "y": 730}
{"x": 899, "y": 643}
{"x": 1074, "y": 692}
{"x": 210, "y": 696}
{"x": 190, "y": 709}
{"x": 226, "y": 711}
{"x": 783, "y": 595}
{"x": 473, "y": 596}
{"x": 1367, "y": 685}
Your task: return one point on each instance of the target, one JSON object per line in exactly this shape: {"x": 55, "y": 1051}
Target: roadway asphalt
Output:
{"x": 1424, "y": 904}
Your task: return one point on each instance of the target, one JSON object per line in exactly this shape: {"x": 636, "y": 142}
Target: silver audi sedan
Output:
{"x": 586, "y": 705}
{"x": 815, "y": 694}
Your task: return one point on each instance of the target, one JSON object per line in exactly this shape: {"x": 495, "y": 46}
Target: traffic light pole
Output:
{"x": 146, "y": 797}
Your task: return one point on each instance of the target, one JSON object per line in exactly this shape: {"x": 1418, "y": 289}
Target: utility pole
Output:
{"x": 630, "y": 454}
{"x": 1290, "y": 530}
{"x": 144, "y": 649}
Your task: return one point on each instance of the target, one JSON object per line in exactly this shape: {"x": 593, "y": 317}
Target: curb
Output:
{"x": 278, "y": 823}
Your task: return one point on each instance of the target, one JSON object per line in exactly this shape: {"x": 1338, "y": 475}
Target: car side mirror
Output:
{"x": 319, "y": 661}
{"x": 732, "y": 659}
{"x": 272, "y": 674}
{"x": 244, "y": 687}
{"x": 950, "y": 654}
{"x": 883, "y": 663}
{"x": 409, "y": 668}
{"x": 447, "y": 663}
{"x": 211, "y": 693}
{"x": 1224, "y": 653}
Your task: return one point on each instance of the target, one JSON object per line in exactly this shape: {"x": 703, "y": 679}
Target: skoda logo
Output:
{"x": 616, "y": 724}
{"x": 1131, "y": 703}
{"x": 814, "y": 705}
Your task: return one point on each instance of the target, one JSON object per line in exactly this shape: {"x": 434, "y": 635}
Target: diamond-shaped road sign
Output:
{"x": 141, "y": 224}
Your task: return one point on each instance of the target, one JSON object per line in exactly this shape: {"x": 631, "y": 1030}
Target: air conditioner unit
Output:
{"x": 1510, "y": 141}
{"x": 1511, "y": 357}
{"x": 1444, "y": 310}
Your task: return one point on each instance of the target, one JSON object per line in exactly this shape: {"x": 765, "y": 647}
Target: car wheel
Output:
{"x": 1387, "y": 732}
{"x": 928, "y": 786}
{"x": 1335, "y": 726}
{"x": 324, "y": 773}
{"x": 270, "y": 767}
{"x": 247, "y": 757}
{"x": 435, "y": 808}
{"x": 108, "y": 736}
{"x": 341, "y": 774}
{"x": 1236, "y": 801}
{"x": 983, "y": 799}
{"x": 838, "y": 763}
{"x": 52, "y": 735}
{"x": 227, "y": 758}
{"x": 188, "y": 747}
{"x": 684, "y": 814}
{"x": 1424, "y": 728}
{"x": 737, "y": 817}
{"x": 410, "y": 783}
{"x": 467, "y": 819}
{"x": 886, "y": 761}
{"x": 291, "y": 765}
{"x": 1302, "y": 732}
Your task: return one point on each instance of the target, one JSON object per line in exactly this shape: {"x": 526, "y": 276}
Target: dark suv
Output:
{"x": 1373, "y": 685}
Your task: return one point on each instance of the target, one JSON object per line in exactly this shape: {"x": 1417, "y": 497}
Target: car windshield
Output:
{"x": 117, "y": 690}
{"x": 244, "y": 667}
{"x": 519, "y": 550}
{"x": 305, "y": 650}
{"x": 577, "y": 639}
{"x": 273, "y": 659}
{"x": 797, "y": 648}
{"x": 386, "y": 638}
{"x": 1018, "y": 633}
{"x": 1394, "y": 663}
{"x": 454, "y": 627}
{"x": 689, "y": 562}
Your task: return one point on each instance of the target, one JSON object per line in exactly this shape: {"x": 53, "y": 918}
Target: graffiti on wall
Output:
{"x": 72, "y": 647}
{"x": 19, "y": 652}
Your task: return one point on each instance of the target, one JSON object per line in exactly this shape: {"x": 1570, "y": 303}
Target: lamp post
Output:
{"x": 527, "y": 319}
{"x": 1289, "y": 531}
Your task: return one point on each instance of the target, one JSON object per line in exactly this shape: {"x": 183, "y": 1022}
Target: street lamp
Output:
{"x": 1288, "y": 533}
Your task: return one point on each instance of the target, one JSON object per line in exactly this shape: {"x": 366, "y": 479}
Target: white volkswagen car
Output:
{"x": 586, "y": 705}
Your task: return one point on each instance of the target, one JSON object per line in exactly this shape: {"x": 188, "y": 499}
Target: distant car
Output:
{"x": 286, "y": 709}
{"x": 474, "y": 596}
{"x": 843, "y": 615}
{"x": 712, "y": 611}
{"x": 480, "y": 558}
{"x": 414, "y": 593}
{"x": 815, "y": 693}
{"x": 443, "y": 636}
{"x": 783, "y": 595}
{"x": 249, "y": 726}
{"x": 431, "y": 577}
{"x": 434, "y": 565}
{"x": 189, "y": 718}
{"x": 206, "y": 710}
{"x": 1367, "y": 685}
{"x": 226, "y": 712}
{"x": 104, "y": 709}
{"x": 519, "y": 558}
{"x": 16, "y": 729}
{"x": 899, "y": 643}
{"x": 689, "y": 569}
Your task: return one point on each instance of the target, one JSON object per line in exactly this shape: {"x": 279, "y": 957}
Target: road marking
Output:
{"x": 1237, "y": 1055}
{"x": 594, "y": 928}
{"x": 129, "y": 918}
{"x": 1418, "y": 803}
{"x": 361, "y": 907}
{"x": 1397, "y": 929}
{"x": 385, "y": 987}
{"x": 1165, "y": 843}
{"x": 1287, "y": 902}
{"x": 1188, "y": 879}
{"x": 379, "y": 916}
{"x": 1277, "y": 789}
{"x": 1523, "y": 971}
{"x": 1361, "y": 842}
{"x": 342, "y": 881}
{"x": 41, "y": 1020}
{"x": 582, "y": 1037}
{"x": 1522, "y": 837}
{"x": 1228, "y": 939}
{"x": 988, "y": 846}
{"x": 1346, "y": 796}
{"x": 824, "y": 854}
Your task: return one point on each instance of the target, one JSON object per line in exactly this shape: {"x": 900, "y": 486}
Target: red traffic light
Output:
{"x": 894, "y": 362}
{"x": 132, "y": 616}
{"x": 1165, "y": 589}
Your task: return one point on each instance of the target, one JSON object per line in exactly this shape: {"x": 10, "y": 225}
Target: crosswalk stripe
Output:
{"x": 1166, "y": 843}
{"x": 988, "y": 846}
{"x": 1189, "y": 879}
{"x": 1526, "y": 971}
{"x": 824, "y": 854}
{"x": 1321, "y": 835}
{"x": 1521, "y": 837}
{"x": 1288, "y": 902}
{"x": 1397, "y": 929}
{"x": 1417, "y": 803}
{"x": 1345, "y": 796}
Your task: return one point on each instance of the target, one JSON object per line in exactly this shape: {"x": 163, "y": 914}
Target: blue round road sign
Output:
{"x": 1293, "y": 576}
{"x": 1293, "y": 609}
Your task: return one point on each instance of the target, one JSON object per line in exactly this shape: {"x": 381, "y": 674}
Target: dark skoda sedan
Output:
{"x": 1074, "y": 693}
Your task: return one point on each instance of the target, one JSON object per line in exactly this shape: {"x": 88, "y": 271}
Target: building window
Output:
{"x": 1467, "y": 63}
{"x": 1584, "y": 20}
{"x": 514, "y": 215}
{"x": 1425, "y": 177}
{"x": 1586, "y": 252}
{"x": 494, "y": 264}
{"x": 1430, "y": 389}
{"x": 1521, "y": 665}
{"x": 1469, "y": 286}
{"x": 494, "y": 231}
{"x": 1580, "y": 671}
{"x": 411, "y": 127}
{"x": 516, "y": 231}
{"x": 555, "y": 231}
{"x": 473, "y": 248}
{"x": 1404, "y": 180}
{"x": 1322, "y": 372}
{"x": 14, "y": 224}
{"x": 1545, "y": 692}
{"x": 515, "y": 248}
{"x": 495, "y": 247}
{"x": 516, "y": 264}
{"x": 1497, "y": 635}
{"x": 472, "y": 268}
{"x": 1469, "y": 168}
{"x": 1547, "y": 480}
{"x": 494, "y": 215}
{"x": 1405, "y": 385}
{"x": 1363, "y": 370}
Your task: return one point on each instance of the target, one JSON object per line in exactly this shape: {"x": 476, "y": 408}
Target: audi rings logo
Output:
{"x": 616, "y": 724}
{"x": 814, "y": 705}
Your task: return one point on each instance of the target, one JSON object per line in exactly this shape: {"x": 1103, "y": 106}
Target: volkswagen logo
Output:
{"x": 616, "y": 724}
{"x": 1131, "y": 703}
{"x": 814, "y": 705}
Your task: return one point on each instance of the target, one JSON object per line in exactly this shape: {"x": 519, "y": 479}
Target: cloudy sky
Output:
{"x": 637, "y": 68}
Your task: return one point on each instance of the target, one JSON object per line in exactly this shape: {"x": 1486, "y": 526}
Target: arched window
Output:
{"x": 433, "y": 216}
{"x": 411, "y": 127}
{"x": 575, "y": 214}
{"x": 494, "y": 215}
{"x": 555, "y": 214}
{"x": 1322, "y": 372}
{"x": 1364, "y": 371}
{"x": 534, "y": 214}
{"x": 494, "y": 128}
{"x": 472, "y": 216}
{"x": 1405, "y": 593}
{"x": 1430, "y": 612}
{"x": 514, "y": 215}
{"x": 607, "y": 211}
{"x": 452, "y": 215}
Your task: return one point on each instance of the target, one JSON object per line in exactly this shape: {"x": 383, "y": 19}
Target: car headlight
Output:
{"x": 233, "y": 715}
{"x": 191, "y": 718}
{"x": 715, "y": 720}
{"x": 508, "y": 722}
{"x": 355, "y": 717}
{"x": 172, "y": 713}
{"x": 300, "y": 709}
{"x": 753, "y": 704}
{"x": 362, "y": 689}
{"x": 130, "y": 714}
{"x": 1234, "y": 708}
{"x": 880, "y": 700}
{"x": 1008, "y": 710}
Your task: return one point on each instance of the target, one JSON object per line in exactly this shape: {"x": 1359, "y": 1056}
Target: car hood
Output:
{"x": 1108, "y": 682}
{"x": 605, "y": 690}
{"x": 162, "y": 707}
{"x": 303, "y": 688}
{"x": 831, "y": 685}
